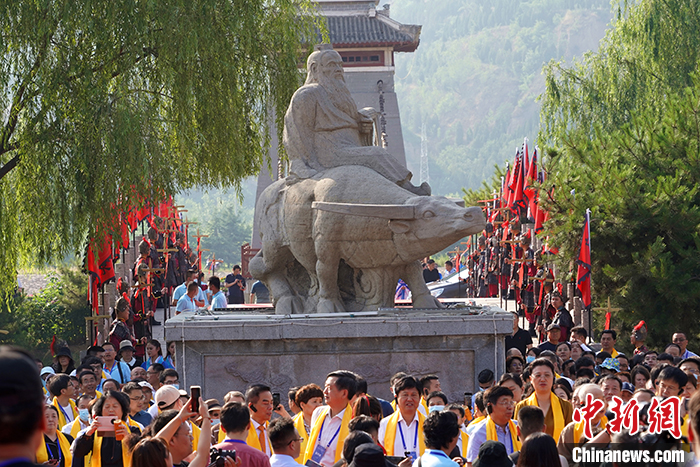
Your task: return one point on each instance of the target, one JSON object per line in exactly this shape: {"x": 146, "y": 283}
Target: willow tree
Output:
{"x": 106, "y": 104}
{"x": 621, "y": 129}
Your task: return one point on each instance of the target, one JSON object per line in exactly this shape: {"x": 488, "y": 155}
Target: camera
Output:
{"x": 218, "y": 456}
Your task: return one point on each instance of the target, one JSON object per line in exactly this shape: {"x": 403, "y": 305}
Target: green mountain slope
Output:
{"x": 475, "y": 77}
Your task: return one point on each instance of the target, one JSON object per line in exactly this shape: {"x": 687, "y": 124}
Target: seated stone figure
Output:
{"x": 323, "y": 128}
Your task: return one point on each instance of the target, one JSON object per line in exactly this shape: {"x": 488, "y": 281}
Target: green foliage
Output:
{"x": 474, "y": 78}
{"x": 59, "y": 309}
{"x": 106, "y": 104}
{"x": 227, "y": 224}
{"x": 622, "y": 128}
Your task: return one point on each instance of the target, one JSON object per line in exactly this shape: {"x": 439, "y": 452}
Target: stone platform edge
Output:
{"x": 411, "y": 322}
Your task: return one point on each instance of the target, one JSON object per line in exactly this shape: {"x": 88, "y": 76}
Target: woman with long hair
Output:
{"x": 55, "y": 448}
{"x": 170, "y": 354}
{"x": 108, "y": 451}
{"x": 539, "y": 450}
{"x": 154, "y": 354}
{"x": 557, "y": 412}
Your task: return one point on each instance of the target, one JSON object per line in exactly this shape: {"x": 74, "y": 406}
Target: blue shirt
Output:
{"x": 160, "y": 360}
{"x": 477, "y": 437}
{"x": 114, "y": 372}
{"x": 435, "y": 458}
{"x": 186, "y": 304}
{"x": 218, "y": 300}
{"x": 181, "y": 290}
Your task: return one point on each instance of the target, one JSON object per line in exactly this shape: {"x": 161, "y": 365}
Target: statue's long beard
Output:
{"x": 339, "y": 94}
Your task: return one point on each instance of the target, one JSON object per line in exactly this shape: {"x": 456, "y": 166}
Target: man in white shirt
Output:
{"x": 259, "y": 400}
{"x": 286, "y": 443}
{"x": 441, "y": 434}
{"x": 402, "y": 432}
{"x": 329, "y": 424}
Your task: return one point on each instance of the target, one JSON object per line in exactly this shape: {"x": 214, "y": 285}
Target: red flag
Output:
{"x": 517, "y": 185}
{"x": 531, "y": 190}
{"x": 583, "y": 275}
{"x": 103, "y": 268}
{"x": 52, "y": 346}
{"x": 508, "y": 191}
{"x": 608, "y": 317}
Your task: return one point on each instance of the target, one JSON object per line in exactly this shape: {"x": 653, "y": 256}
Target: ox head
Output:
{"x": 422, "y": 226}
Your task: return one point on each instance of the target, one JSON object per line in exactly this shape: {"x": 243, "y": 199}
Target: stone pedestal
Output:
{"x": 229, "y": 352}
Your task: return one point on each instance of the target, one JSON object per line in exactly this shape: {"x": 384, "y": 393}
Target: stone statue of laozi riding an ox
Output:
{"x": 346, "y": 224}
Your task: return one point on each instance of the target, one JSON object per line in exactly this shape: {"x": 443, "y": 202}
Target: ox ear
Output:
{"x": 399, "y": 227}
{"x": 383, "y": 211}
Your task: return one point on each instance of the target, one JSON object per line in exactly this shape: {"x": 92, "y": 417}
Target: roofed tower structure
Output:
{"x": 366, "y": 37}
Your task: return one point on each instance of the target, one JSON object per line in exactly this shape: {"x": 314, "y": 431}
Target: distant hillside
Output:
{"x": 476, "y": 75}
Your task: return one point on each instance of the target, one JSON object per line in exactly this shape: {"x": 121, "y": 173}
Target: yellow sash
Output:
{"x": 131, "y": 422}
{"x": 465, "y": 443}
{"x": 555, "y": 407}
{"x": 96, "y": 460}
{"x": 477, "y": 420}
{"x": 75, "y": 429}
{"x": 390, "y": 433}
{"x": 393, "y": 405}
{"x": 253, "y": 441}
{"x": 42, "y": 455}
{"x": 316, "y": 430}
{"x": 491, "y": 434}
{"x": 62, "y": 421}
{"x": 424, "y": 404}
{"x": 299, "y": 425}
{"x": 196, "y": 431}
{"x": 578, "y": 428}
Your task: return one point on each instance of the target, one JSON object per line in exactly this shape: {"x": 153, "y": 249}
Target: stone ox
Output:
{"x": 341, "y": 240}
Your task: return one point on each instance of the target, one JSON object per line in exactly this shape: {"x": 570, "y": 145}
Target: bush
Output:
{"x": 59, "y": 309}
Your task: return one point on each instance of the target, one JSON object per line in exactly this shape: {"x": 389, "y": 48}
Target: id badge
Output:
{"x": 413, "y": 455}
{"x": 318, "y": 454}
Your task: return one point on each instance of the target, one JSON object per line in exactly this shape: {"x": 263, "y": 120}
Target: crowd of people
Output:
{"x": 115, "y": 410}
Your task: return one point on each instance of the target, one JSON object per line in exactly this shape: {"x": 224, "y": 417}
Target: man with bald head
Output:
{"x": 572, "y": 433}
{"x": 323, "y": 128}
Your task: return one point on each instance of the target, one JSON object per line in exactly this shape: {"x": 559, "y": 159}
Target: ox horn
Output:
{"x": 384, "y": 211}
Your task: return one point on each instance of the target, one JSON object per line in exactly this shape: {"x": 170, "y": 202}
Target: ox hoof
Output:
{"x": 426, "y": 301}
{"x": 326, "y": 305}
{"x": 289, "y": 306}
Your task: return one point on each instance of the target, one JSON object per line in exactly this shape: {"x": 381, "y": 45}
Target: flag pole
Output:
{"x": 590, "y": 311}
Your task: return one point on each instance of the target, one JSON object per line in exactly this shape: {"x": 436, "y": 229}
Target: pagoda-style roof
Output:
{"x": 366, "y": 31}
{"x": 360, "y": 24}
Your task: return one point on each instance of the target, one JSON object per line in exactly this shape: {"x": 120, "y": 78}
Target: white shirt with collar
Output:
{"x": 268, "y": 449}
{"x": 283, "y": 460}
{"x": 410, "y": 435}
{"x": 330, "y": 426}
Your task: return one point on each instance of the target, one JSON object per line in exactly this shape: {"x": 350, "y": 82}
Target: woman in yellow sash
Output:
{"x": 56, "y": 445}
{"x": 108, "y": 451}
{"x": 558, "y": 412}
{"x": 307, "y": 399}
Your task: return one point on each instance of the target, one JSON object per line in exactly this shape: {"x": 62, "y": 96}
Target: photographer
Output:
{"x": 235, "y": 422}
{"x": 175, "y": 441}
